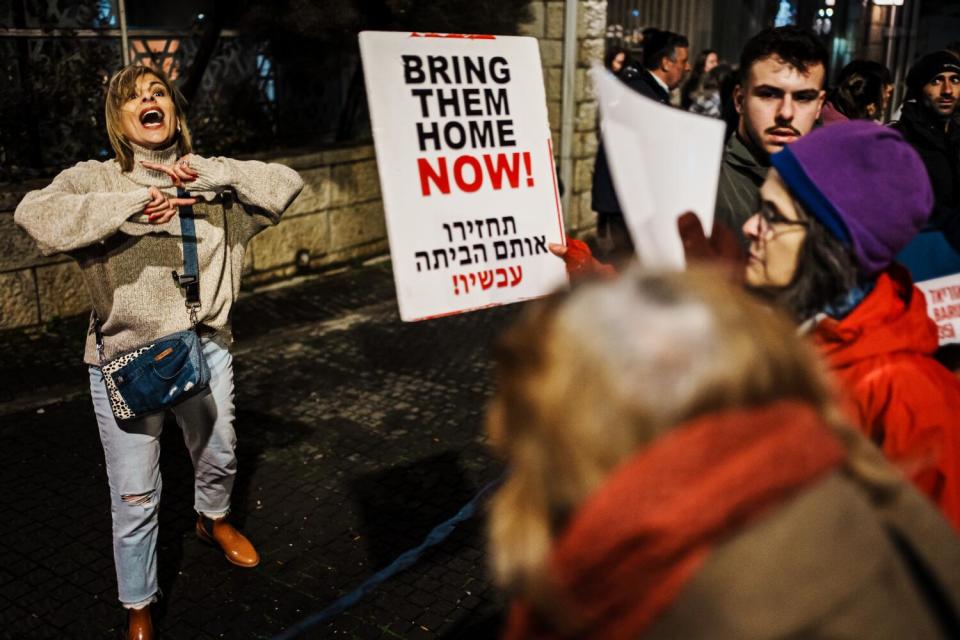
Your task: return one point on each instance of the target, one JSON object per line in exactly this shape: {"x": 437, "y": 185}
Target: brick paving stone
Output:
{"x": 357, "y": 434}
{"x": 431, "y": 620}
{"x": 418, "y": 631}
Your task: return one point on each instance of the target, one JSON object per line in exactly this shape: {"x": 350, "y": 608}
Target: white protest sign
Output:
{"x": 663, "y": 161}
{"x": 466, "y": 169}
{"x": 943, "y": 306}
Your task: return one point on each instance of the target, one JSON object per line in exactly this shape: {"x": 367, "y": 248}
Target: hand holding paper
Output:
{"x": 721, "y": 250}
{"x": 663, "y": 161}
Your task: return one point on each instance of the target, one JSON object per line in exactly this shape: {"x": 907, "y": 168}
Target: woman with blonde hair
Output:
{"x": 678, "y": 469}
{"x": 119, "y": 220}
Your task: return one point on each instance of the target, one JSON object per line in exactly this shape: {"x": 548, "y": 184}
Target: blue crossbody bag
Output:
{"x": 157, "y": 376}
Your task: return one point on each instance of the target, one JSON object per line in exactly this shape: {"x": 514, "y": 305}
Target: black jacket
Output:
{"x": 604, "y": 198}
{"x": 940, "y": 152}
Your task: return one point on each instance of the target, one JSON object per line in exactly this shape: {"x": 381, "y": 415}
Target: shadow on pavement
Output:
{"x": 177, "y": 515}
{"x": 400, "y": 506}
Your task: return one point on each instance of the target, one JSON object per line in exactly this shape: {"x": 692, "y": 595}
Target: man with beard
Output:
{"x": 779, "y": 98}
{"x": 929, "y": 123}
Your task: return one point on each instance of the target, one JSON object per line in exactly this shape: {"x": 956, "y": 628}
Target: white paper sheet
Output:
{"x": 663, "y": 161}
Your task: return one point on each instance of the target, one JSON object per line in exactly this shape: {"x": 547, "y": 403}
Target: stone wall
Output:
{"x": 548, "y": 26}
{"x": 337, "y": 218}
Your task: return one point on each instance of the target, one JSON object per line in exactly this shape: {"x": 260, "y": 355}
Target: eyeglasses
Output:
{"x": 772, "y": 219}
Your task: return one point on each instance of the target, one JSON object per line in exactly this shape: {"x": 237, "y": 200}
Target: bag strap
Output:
{"x": 189, "y": 280}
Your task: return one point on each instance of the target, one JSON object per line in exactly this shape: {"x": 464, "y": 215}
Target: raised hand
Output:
{"x": 721, "y": 250}
{"x": 162, "y": 207}
{"x": 180, "y": 172}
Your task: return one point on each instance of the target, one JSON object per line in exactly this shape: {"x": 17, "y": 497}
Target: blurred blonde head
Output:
{"x": 585, "y": 379}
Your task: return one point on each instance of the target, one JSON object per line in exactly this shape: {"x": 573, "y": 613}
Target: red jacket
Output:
{"x": 903, "y": 399}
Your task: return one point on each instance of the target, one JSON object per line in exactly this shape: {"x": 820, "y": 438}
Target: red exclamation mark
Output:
{"x": 456, "y": 290}
{"x": 526, "y": 165}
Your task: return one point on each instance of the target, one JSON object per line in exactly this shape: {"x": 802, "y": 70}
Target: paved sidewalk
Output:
{"x": 357, "y": 434}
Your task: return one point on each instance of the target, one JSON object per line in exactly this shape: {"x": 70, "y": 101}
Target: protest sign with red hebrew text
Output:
{"x": 466, "y": 169}
{"x": 943, "y": 306}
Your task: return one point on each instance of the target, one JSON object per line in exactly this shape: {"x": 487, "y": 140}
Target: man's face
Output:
{"x": 777, "y": 103}
{"x": 675, "y": 70}
{"x": 940, "y": 94}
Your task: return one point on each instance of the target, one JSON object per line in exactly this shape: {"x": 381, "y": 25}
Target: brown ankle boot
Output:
{"x": 235, "y": 546}
{"x": 139, "y": 624}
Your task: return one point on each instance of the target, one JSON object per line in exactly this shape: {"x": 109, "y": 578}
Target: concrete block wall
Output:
{"x": 337, "y": 217}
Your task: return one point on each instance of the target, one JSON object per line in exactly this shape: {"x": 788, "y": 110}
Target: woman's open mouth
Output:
{"x": 151, "y": 118}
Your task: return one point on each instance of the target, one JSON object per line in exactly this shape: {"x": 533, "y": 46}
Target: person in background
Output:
{"x": 615, "y": 60}
{"x": 954, "y": 48}
{"x": 779, "y": 97}
{"x": 665, "y": 62}
{"x": 862, "y": 92}
{"x": 119, "y": 220}
{"x": 728, "y": 109}
{"x": 621, "y": 64}
{"x": 708, "y": 100}
{"x": 679, "y": 469}
{"x": 836, "y": 208}
{"x": 706, "y": 61}
{"x": 929, "y": 123}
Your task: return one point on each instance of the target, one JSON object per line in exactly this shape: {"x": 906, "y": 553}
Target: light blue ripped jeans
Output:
{"x": 132, "y": 455}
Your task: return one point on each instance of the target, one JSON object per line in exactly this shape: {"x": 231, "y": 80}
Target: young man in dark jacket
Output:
{"x": 666, "y": 58}
{"x": 779, "y": 98}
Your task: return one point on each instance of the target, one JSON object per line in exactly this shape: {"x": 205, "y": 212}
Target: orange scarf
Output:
{"x": 632, "y": 546}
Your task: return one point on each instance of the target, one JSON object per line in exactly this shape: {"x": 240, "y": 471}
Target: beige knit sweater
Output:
{"x": 94, "y": 213}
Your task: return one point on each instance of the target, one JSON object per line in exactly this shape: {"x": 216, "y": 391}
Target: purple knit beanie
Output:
{"x": 864, "y": 183}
